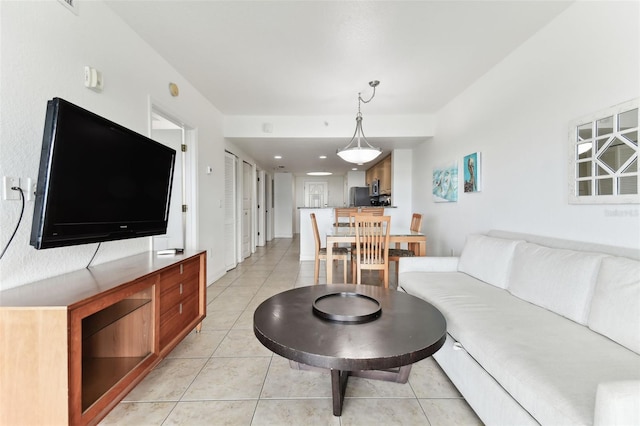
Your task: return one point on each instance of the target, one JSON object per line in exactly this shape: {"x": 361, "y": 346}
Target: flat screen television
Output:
{"x": 98, "y": 181}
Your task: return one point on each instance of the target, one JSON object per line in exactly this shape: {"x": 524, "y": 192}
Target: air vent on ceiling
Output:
{"x": 72, "y": 5}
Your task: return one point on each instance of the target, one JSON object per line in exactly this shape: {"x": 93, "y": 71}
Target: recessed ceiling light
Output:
{"x": 355, "y": 168}
{"x": 319, "y": 173}
{"x": 277, "y": 157}
{"x": 323, "y": 157}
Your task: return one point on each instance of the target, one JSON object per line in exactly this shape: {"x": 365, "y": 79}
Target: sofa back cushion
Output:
{"x": 555, "y": 279}
{"x": 615, "y": 306}
{"x": 488, "y": 259}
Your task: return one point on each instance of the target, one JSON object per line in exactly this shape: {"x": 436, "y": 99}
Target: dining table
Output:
{"x": 347, "y": 234}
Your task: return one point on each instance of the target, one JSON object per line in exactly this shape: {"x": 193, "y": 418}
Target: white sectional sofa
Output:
{"x": 540, "y": 330}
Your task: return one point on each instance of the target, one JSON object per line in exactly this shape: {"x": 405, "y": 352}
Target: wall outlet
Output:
{"x": 7, "y": 192}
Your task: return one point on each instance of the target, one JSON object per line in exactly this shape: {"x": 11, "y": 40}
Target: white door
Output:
{"x": 269, "y": 207}
{"x": 316, "y": 194}
{"x": 170, "y": 133}
{"x": 247, "y": 184}
{"x": 262, "y": 181}
{"x": 230, "y": 166}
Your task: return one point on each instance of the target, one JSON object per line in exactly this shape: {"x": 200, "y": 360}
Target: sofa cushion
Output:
{"x": 556, "y": 279}
{"x": 487, "y": 259}
{"x": 615, "y": 307}
{"x": 550, "y": 365}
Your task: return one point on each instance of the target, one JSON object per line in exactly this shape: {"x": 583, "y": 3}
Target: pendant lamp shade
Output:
{"x": 359, "y": 153}
{"x": 356, "y": 151}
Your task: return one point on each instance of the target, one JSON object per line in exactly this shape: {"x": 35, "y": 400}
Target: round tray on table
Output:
{"x": 347, "y": 307}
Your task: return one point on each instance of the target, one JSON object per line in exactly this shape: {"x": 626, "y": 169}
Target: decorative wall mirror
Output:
{"x": 603, "y": 157}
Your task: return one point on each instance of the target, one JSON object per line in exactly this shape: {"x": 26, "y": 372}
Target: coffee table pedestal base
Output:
{"x": 339, "y": 379}
{"x": 338, "y": 387}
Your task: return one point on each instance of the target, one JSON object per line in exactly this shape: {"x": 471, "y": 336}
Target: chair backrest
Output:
{"x": 316, "y": 234}
{"x": 352, "y": 218}
{"x": 416, "y": 222}
{"x": 372, "y": 238}
{"x": 366, "y": 212}
{"x": 376, "y": 211}
{"x": 341, "y": 212}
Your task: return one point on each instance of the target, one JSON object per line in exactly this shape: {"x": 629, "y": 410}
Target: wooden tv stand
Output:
{"x": 72, "y": 346}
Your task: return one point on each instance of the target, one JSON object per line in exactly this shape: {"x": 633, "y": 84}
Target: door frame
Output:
{"x": 189, "y": 175}
{"x": 231, "y": 241}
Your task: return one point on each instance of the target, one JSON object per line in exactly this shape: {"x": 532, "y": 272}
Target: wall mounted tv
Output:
{"x": 98, "y": 181}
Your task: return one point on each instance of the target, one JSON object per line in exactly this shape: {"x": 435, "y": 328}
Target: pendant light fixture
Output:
{"x": 355, "y": 151}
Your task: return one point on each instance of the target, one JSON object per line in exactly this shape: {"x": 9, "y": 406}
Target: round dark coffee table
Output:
{"x": 405, "y": 330}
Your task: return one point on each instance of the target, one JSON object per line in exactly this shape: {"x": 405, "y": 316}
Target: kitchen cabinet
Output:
{"x": 382, "y": 172}
{"x": 385, "y": 176}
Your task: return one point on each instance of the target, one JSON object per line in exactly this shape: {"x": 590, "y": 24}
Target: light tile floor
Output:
{"x": 224, "y": 376}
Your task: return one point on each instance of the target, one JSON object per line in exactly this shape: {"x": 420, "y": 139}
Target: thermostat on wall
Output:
{"x": 93, "y": 78}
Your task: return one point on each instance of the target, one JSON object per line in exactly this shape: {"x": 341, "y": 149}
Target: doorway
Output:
{"x": 174, "y": 133}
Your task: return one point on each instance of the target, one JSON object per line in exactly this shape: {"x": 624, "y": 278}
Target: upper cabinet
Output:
{"x": 385, "y": 176}
{"x": 382, "y": 172}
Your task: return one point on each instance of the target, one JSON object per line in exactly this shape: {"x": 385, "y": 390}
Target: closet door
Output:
{"x": 230, "y": 229}
{"x": 262, "y": 191}
{"x": 247, "y": 190}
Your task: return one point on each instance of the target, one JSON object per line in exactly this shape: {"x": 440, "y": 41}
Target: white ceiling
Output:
{"x": 304, "y": 58}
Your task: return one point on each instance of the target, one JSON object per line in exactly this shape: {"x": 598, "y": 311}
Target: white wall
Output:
{"x": 356, "y": 178}
{"x": 517, "y": 115}
{"x": 44, "y": 50}
{"x": 331, "y": 126}
{"x": 401, "y": 187}
{"x": 283, "y": 211}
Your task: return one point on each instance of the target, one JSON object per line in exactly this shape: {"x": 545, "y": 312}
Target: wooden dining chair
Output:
{"x": 338, "y": 253}
{"x": 376, "y": 211}
{"x": 372, "y": 246}
{"x": 365, "y": 211}
{"x": 396, "y": 253}
{"x": 343, "y": 212}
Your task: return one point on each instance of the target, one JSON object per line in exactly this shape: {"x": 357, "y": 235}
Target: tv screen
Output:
{"x": 98, "y": 181}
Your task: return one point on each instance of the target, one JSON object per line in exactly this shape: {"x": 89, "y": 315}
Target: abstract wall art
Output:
{"x": 445, "y": 183}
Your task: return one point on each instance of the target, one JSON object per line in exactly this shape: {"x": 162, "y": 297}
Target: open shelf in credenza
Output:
{"x": 115, "y": 340}
{"x": 101, "y": 319}
{"x": 99, "y": 375}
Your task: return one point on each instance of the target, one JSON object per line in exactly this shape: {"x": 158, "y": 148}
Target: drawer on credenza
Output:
{"x": 184, "y": 272}
{"x": 177, "y": 293}
{"x": 179, "y": 299}
{"x": 175, "y": 319}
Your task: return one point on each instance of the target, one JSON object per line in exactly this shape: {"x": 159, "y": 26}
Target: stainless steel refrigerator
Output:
{"x": 359, "y": 196}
